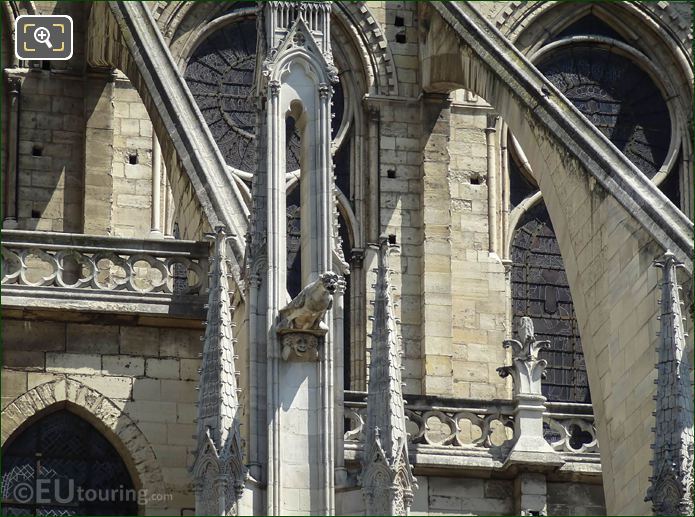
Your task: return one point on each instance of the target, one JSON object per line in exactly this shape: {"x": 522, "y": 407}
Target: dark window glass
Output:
{"x": 540, "y": 290}
{"x": 57, "y": 458}
{"x": 220, "y": 75}
{"x": 618, "y": 97}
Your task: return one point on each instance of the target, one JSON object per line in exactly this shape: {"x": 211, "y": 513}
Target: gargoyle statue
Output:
{"x": 306, "y": 311}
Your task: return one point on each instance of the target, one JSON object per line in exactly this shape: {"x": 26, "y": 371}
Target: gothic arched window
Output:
{"x": 617, "y": 96}
{"x": 220, "y": 75}
{"x": 61, "y": 465}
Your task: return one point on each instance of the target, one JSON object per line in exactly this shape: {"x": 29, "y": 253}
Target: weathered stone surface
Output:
{"x": 73, "y": 363}
{"x": 92, "y": 339}
{"x": 162, "y": 368}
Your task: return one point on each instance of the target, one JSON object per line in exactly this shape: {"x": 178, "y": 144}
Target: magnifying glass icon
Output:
{"x": 43, "y": 35}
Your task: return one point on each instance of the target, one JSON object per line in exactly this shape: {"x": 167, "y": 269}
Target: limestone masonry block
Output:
{"x": 123, "y": 365}
{"x": 139, "y": 341}
{"x": 33, "y": 335}
{"x": 162, "y": 368}
{"x": 95, "y": 339}
{"x": 112, "y": 387}
{"x": 73, "y": 363}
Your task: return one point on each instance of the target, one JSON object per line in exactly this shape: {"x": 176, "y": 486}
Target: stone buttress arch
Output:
{"x": 98, "y": 410}
{"x": 611, "y": 223}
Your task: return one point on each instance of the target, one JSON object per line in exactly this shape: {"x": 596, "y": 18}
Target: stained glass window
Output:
{"x": 220, "y": 75}
{"x": 61, "y": 465}
{"x": 540, "y": 290}
{"x": 618, "y": 97}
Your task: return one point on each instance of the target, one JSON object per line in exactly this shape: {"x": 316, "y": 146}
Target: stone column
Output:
{"x": 373, "y": 135}
{"x": 14, "y": 85}
{"x": 437, "y": 349}
{"x": 358, "y": 353}
{"x": 492, "y": 198}
{"x": 156, "y": 225}
{"x": 98, "y": 161}
{"x": 506, "y": 193}
{"x": 275, "y": 284}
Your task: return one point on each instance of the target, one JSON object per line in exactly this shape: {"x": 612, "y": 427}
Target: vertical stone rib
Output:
{"x": 387, "y": 480}
{"x": 218, "y": 469}
{"x": 671, "y": 489}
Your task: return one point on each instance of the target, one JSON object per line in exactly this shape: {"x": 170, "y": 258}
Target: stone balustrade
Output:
{"x": 462, "y": 424}
{"x": 42, "y": 269}
{"x": 569, "y": 427}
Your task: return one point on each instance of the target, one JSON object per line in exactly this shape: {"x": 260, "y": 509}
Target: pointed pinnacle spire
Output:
{"x": 385, "y": 444}
{"x": 219, "y": 454}
{"x": 671, "y": 490}
{"x": 217, "y": 401}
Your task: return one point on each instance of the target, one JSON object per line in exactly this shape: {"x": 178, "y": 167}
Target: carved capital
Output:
{"x": 491, "y": 123}
{"x": 14, "y": 85}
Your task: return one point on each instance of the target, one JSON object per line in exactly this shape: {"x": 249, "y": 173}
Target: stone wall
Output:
{"x": 470, "y": 496}
{"x": 148, "y": 372}
{"x": 132, "y": 163}
{"x": 51, "y": 132}
{"x": 478, "y": 284}
{"x": 575, "y": 499}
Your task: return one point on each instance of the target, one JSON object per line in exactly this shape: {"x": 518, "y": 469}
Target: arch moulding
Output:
{"x": 98, "y": 410}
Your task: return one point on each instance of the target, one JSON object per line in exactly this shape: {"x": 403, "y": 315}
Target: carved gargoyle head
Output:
{"x": 330, "y": 281}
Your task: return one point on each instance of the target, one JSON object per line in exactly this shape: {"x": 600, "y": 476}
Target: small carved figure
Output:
{"x": 307, "y": 310}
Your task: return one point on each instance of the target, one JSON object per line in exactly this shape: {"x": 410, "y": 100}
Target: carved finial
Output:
{"x": 527, "y": 369}
{"x": 525, "y": 329}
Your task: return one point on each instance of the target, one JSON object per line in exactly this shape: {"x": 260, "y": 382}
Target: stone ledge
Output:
{"x": 155, "y": 304}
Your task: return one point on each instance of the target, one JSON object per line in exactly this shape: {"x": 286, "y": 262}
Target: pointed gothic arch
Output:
{"x": 74, "y": 466}
{"x": 99, "y": 411}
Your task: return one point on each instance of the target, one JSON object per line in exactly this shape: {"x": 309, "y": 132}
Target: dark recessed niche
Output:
{"x": 399, "y": 21}
{"x": 133, "y": 158}
{"x": 392, "y": 239}
{"x": 391, "y": 173}
{"x": 36, "y": 214}
{"x": 476, "y": 180}
{"x": 400, "y": 37}
{"x": 37, "y": 150}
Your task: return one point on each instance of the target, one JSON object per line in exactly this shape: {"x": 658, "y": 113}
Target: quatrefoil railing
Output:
{"x": 87, "y": 262}
{"x": 475, "y": 424}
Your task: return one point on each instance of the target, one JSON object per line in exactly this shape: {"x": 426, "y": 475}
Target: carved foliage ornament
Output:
{"x": 527, "y": 369}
